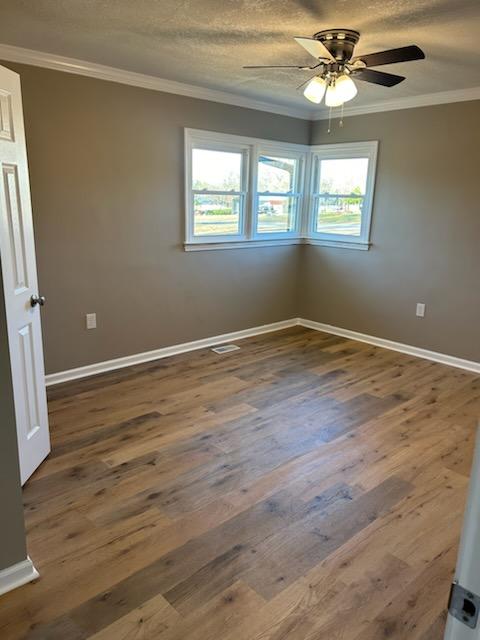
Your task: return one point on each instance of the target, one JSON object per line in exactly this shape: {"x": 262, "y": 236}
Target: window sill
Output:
{"x": 338, "y": 244}
{"x": 275, "y": 242}
{"x": 240, "y": 244}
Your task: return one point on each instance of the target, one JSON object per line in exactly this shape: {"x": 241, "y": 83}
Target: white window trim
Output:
{"x": 284, "y": 151}
{"x": 252, "y": 147}
{"x": 343, "y": 151}
{"x": 244, "y": 244}
{"x": 217, "y": 143}
{"x": 303, "y": 232}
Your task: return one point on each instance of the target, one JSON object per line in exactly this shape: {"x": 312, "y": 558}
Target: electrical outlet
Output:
{"x": 420, "y": 309}
{"x": 91, "y": 319}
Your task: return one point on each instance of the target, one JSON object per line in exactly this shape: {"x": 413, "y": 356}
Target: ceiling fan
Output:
{"x": 336, "y": 66}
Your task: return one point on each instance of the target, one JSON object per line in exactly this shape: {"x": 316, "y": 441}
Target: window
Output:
{"x": 246, "y": 192}
{"x": 218, "y": 192}
{"x": 242, "y": 191}
{"x": 279, "y": 186}
{"x": 343, "y": 180}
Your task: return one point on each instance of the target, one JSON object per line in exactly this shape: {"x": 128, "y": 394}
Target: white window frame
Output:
{"x": 214, "y": 144}
{"x": 252, "y": 148}
{"x": 281, "y": 151}
{"x": 304, "y": 231}
{"x": 340, "y": 152}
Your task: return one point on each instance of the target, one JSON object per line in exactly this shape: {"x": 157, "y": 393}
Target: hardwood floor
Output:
{"x": 305, "y": 487}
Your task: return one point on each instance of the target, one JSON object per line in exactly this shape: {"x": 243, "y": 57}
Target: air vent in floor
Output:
{"x": 225, "y": 348}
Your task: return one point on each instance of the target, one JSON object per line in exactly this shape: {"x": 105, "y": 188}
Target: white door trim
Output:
{"x": 467, "y": 573}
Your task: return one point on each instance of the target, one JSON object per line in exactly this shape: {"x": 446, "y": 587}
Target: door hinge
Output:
{"x": 464, "y": 605}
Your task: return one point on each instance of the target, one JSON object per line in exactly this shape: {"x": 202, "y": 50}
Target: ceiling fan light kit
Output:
{"x": 337, "y": 66}
{"x": 332, "y": 98}
{"x": 341, "y": 89}
{"x": 315, "y": 90}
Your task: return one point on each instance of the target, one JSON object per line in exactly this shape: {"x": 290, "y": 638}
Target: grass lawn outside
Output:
{"x": 227, "y": 224}
{"x": 215, "y": 224}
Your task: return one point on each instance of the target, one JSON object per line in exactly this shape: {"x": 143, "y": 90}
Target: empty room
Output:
{"x": 239, "y": 320}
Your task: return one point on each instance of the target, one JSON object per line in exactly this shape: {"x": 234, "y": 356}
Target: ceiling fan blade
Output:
{"x": 304, "y": 83}
{"x": 275, "y": 66}
{"x": 377, "y": 77}
{"x": 315, "y": 48}
{"x": 402, "y": 54}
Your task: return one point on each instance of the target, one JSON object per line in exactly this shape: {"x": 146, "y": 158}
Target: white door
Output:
{"x": 22, "y": 303}
{"x": 463, "y": 622}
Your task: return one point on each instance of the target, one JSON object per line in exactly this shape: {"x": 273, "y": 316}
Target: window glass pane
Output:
{"x": 276, "y": 214}
{"x": 339, "y": 215}
{"x": 275, "y": 174}
{"x": 216, "y": 215}
{"x": 216, "y": 170}
{"x": 344, "y": 176}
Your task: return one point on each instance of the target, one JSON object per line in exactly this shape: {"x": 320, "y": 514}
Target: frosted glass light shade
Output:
{"x": 346, "y": 86}
{"x": 332, "y": 98}
{"x": 315, "y": 90}
{"x": 342, "y": 91}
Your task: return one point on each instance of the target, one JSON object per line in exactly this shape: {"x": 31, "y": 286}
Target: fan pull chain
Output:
{"x": 329, "y": 120}
{"x": 340, "y": 124}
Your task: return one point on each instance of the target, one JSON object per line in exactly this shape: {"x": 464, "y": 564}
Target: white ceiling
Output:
{"x": 206, "y": 42}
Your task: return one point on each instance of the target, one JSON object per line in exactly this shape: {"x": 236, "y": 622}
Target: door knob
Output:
{"x": 34, "y": 300}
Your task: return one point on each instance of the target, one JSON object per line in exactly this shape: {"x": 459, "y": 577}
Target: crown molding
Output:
{"x": 411, "y": 102}
{"x": 10, "y": 53}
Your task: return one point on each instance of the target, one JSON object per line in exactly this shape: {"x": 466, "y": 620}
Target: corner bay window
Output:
{"x": 243, "y": 192}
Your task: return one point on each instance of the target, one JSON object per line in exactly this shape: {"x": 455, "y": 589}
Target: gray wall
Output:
{"x": 425, "y": 234}
{"x": 106, "y": 169}
{"x": 106, "y": 166}
{"x": 12, "y": 531}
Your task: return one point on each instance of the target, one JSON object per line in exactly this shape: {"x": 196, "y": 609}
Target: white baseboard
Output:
{"x": 453, "y": 361}
{"x": 17, "y": 575}
{"x": 163, "y": 352}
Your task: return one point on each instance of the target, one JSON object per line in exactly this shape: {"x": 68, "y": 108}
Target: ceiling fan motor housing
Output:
{"x": 339, "y": 42}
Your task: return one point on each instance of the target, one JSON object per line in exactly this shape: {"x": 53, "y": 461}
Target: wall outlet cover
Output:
{"x": 91, "y": 320}
{"x": 420, "y": 309}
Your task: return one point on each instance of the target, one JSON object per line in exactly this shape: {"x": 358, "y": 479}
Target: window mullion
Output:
{"x": 251, "y": 208}
{"x": 308, "y": 200}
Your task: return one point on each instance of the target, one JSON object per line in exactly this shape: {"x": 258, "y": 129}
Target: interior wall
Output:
{"x": 12, "y": 530}
{"x": 106, "y": 169}
{"x": 425, "y": 234}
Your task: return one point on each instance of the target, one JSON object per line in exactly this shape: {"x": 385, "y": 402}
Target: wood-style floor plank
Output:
{"x": 305, "y": 487}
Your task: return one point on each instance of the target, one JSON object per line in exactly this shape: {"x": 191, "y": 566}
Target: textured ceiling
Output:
{"x": 205, "y": 42}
